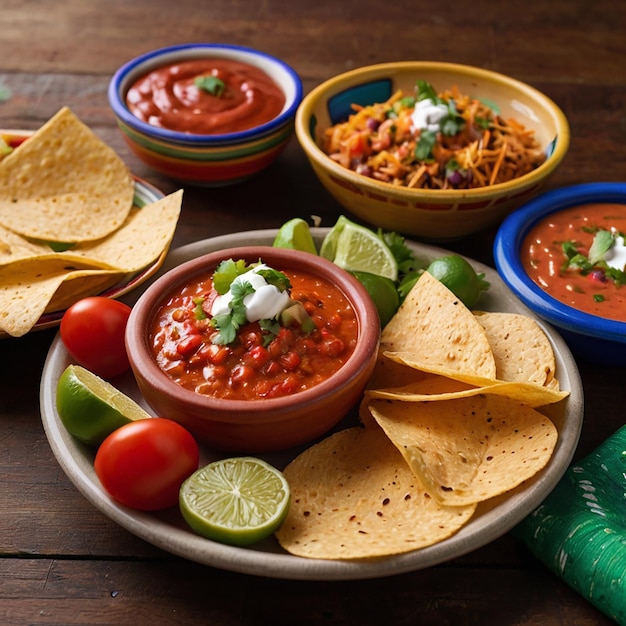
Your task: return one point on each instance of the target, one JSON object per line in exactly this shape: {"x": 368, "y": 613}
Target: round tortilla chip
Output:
{"x": 64, "y": 184}
{"x": 470, "y": 449}
{"x": 522, "y": 351}
{"x": 434, "y": 324}
{"x": 354, "y": 497}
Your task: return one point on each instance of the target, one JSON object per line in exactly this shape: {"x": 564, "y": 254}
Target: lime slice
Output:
{"x": 295, "y": 234}
{"x": 383, "y": 292}
{"x": 238, "y": 500}
{"x": 356, "y": 248}
{"x": 91, "y": 408}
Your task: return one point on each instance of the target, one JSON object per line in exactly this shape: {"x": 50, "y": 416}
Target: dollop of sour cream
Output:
{"x": 427, "y": 115}
{"x": 615, "y": 256}
{"x": 265, "y": 303}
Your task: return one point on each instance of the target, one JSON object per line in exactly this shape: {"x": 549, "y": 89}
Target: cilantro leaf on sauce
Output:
{"x": 211, "y": 84}
{"x": 226, "y": 272}
{"x": 229, "y": 323}
{"x": 276, "y": 278}
{"x": 602, "y": 242}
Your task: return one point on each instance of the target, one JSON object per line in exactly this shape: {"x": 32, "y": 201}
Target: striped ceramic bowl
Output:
{"x": 217, "y": 159}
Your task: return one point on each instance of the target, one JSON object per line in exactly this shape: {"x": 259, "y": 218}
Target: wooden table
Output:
{"x": 62, "y": 561}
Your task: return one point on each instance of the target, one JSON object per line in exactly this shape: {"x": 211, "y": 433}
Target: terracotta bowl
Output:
{"x": 428, "y": 214}
{"x": 210, "y": 160}
{"x": 591, "y": 337}
{"x": 250, "y": 426}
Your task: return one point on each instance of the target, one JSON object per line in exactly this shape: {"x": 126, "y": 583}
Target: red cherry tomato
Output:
{"x": 93, "y": 331}
{"x": 144, "y": 463}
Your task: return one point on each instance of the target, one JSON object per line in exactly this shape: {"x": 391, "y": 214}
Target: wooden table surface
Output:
{"x": 64, "y": 562}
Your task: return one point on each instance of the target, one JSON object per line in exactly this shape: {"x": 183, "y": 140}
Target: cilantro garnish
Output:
{"x": 210, "y": 84}
{"x": 226, "y": 272}
{"x": 603, "y": 241}
{"x": 229, "y": 323}
{"x": 424, "y": 147}
{"x": 276, "y": 278}
{"x": 224, "y": 281}
{"x": 450, "y": 125}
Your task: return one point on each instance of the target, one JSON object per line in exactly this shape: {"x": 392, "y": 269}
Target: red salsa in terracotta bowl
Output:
{"x": 564, "y": 255}
{"x": 254, "y": 349}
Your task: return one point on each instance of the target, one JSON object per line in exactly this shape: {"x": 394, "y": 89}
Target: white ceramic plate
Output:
{"x": 168, "y": 531}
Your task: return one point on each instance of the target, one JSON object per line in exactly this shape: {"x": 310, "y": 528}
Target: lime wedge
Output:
{"x": 356, "y": 248}
{"x": 238, "y": 500}
{"x": 91, "y": 408}
{"x": 295, "y": 234}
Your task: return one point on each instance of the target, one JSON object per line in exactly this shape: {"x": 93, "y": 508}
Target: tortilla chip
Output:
{"x": 78, "y": 285}
{"x": 64, "y": 184}
{"x": 14, "y": 247}
{"x": 534, "y": 395}
{"x": 143, "y": 237}
{"x": 354, "y": 497}
{"x": 469, "y": 449}
{"x": 521, "y": 349}
{"x": 434, "y": 324}
{"x": 27, "y": 288}
{"x": 52, "y": 281}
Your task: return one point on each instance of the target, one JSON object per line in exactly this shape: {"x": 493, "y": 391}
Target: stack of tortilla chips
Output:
{"x": 450, "y": 421}
{"x": 68, "y": 224}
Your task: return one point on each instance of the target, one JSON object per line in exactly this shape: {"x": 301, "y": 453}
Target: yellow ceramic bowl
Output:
{"x": 427, "y": 213}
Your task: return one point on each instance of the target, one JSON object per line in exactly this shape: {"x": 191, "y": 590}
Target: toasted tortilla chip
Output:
{"x": 64, "y": 184}
{"x": 143, "y": 237}
{"x": 533, "y": 394}
{"x": 88, "y": 269}
{"x": 78, "y": 285}
{"x": 470, "y": 449}
{"x": 521, "y": 349}
{"x": 434, "y": 324}
{"x": 14, "y": 247}
{"x": 27, "y": 288}
{"x": 354, "y": 497}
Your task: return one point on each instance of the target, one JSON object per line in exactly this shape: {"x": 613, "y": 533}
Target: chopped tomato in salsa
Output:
{"x": 261, "y": 363}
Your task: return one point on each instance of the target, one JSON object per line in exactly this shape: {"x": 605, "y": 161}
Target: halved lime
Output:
{"x": 91, "y": 408}
{"x": 357, "y": 248}
{"x": 238, "y": 500}
{"x": 295, "y": 234}
{"x": 383, "y": 292}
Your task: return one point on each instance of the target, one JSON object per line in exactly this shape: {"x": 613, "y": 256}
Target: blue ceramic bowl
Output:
{"x": 590, "y": 337}
{"x": 206, "y": 159}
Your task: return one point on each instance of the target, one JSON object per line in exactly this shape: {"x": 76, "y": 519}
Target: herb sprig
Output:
{"x": 224, "y": 281}
{"x": 594, "y": 261}
{"x": 211, "y": 84}
{"x": 452, "y": 124}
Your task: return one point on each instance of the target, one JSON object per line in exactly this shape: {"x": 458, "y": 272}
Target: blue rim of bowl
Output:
{"x": 510, "y": 237}
{"x": 116, "y": 97}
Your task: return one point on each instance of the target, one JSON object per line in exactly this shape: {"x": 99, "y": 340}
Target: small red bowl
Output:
{"x": 264, "y": 425}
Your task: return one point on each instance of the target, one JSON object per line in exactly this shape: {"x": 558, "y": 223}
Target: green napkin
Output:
{"x": 579, "y": 531}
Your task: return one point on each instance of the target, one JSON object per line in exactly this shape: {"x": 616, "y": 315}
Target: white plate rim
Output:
{"x": 267, "y": 559}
